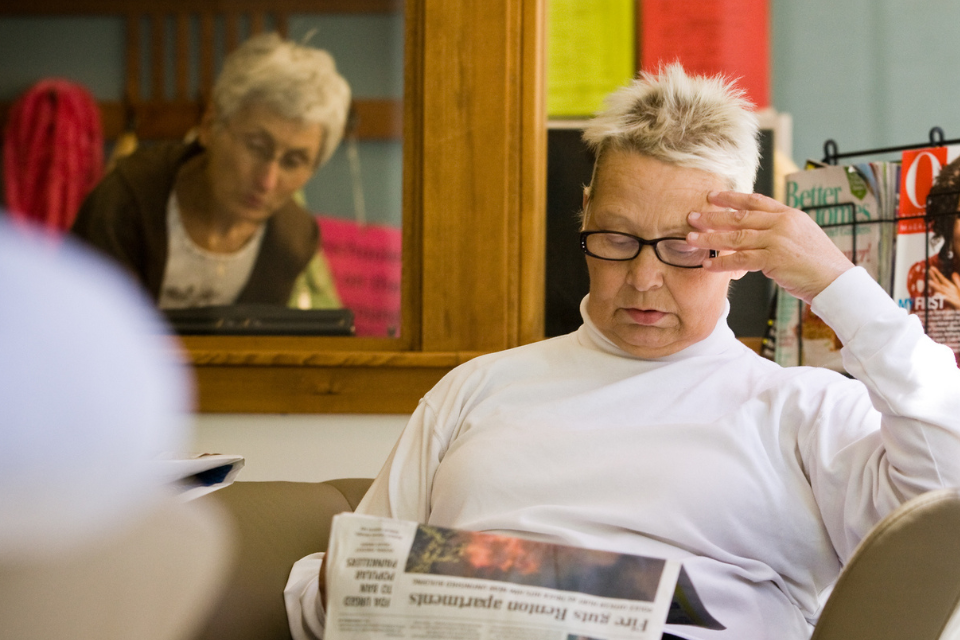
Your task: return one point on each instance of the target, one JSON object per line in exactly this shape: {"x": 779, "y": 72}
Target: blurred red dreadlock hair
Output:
{"x": 52, "y": 153}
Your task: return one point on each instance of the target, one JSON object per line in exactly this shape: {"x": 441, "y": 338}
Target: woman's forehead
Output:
{"x": 289, "y": 134}
{"x": 628, "y": 186}
{"x": 626, "y": 169}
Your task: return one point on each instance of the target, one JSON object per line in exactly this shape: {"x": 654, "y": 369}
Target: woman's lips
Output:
{"x": 253, "y": 202}
{"x": 645, "y": 316}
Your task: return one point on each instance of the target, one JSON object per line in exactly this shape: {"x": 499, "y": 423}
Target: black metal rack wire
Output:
{"x": 831, "y": 153}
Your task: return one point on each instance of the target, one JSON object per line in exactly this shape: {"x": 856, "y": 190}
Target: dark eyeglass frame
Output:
{"x": 641, "y": 243}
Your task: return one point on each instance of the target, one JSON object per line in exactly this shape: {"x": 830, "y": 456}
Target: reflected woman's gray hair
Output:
{"x": 298, "y": 82}
{"x": 697, "y": 122}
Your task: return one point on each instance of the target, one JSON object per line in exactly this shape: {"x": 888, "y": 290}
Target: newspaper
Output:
{"x": 396, "y": 579}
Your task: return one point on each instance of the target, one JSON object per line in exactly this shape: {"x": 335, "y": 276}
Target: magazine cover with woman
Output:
{"x": 927, "y": 267}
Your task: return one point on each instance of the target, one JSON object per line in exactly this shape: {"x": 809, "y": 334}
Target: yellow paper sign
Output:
{"x": 591, "y": 51}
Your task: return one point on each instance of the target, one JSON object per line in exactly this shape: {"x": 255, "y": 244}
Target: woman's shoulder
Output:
{"x": 156, "y": 159}
{"x": 146, "y": 177}
{"x": 540, "y": 353}
{"x": 508, "y": 365}
{"x": 134, "y": 193}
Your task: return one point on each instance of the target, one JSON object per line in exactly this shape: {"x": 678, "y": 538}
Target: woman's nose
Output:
{"x": 267, "y": 176}
{"x": 645, "y": 272}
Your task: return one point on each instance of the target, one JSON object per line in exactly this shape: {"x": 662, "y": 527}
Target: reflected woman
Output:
{"x": 214, "y": 221}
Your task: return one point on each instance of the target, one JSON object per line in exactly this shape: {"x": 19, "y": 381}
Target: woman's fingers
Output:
{"x": 755, "y": 233}
{"x": 936, "y": 278}
{"x": 746, "y": 202}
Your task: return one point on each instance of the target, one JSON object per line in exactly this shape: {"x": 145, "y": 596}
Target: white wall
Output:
{"x": 866, "y": 73}
{"x": 302, "y": 448}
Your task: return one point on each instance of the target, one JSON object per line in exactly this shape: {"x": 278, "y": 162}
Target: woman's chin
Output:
{"x": 647, "y": 341}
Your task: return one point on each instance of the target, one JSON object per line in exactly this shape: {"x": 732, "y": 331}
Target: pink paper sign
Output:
{"x": 365, "y": 261}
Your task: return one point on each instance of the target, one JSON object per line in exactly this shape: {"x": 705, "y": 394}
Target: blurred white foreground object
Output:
{"x": 92, "y": 543}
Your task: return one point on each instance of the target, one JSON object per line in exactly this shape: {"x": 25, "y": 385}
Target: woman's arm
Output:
{"x": 869, "y": 445}
{"x": 401, "y": 490}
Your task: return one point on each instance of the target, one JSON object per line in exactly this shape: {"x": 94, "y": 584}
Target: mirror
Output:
{"x": 474, "y": 176}
{"x": 150, "y": 72}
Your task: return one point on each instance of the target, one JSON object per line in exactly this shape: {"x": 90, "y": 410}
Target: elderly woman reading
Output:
{"x": 651, "y": 430}
{"x": 214, "y": 222}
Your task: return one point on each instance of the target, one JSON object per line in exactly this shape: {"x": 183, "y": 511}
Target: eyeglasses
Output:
{"x": 620, "y": 247}
{"x": 261, "y": 147}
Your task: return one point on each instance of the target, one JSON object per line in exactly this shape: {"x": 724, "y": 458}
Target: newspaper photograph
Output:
{"x": 396, "y": 579}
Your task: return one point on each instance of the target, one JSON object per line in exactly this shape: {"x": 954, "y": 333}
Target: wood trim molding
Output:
{"x": 344, "y": 382}
{"x": 480, "y": 221}
{"x": 533, "y": 170}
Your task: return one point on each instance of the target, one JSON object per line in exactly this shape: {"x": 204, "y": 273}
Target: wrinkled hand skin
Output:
{"x": 757, "y": 233}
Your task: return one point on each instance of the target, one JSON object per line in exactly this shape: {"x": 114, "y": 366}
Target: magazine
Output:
{"x": 392, "y": 578}
{"x": 919, "y": 247}
{"x": 886, "y": 183}
{"x": 847, "y": 202}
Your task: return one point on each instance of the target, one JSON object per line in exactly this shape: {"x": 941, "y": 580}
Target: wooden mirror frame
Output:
{"x": 474, "y": 176}
{"x": 474, "y": 202}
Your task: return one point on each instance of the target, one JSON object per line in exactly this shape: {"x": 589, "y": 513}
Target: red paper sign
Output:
{"x": 708, "y": 37}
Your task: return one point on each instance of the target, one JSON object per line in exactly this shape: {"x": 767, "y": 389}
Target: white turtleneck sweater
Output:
{"x": 761, "y": 479}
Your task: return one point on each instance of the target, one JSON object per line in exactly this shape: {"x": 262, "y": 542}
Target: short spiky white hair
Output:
{"x": 698, "y": 122}
{"x": 298, "y": 82}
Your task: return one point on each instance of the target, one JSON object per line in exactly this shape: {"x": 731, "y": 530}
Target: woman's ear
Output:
{"x": 205, "y": 128}
{"x": 583, "y": 209}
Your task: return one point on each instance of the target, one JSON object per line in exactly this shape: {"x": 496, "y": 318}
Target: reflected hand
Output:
{"x": 757, "y": 233}
{"x": 949, "y": 288}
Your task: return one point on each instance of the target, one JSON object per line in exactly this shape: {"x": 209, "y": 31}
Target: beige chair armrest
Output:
{"x": 276, "y": 524}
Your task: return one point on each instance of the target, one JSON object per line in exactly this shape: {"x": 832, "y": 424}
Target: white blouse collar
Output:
{"x": 717, "y": 342}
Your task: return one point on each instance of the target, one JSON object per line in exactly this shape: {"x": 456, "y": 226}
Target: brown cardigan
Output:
{"x": 125, "y": 216}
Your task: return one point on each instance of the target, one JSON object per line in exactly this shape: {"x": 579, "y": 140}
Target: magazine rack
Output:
{"x": 831, "y": 155}
{"x": 831, "y": 151}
